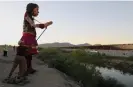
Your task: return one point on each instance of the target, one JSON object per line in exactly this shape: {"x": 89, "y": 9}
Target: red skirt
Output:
{"x": 29, "y": 40}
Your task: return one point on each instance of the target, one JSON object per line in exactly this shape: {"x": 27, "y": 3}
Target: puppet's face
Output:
{"x": 35, "y": 11}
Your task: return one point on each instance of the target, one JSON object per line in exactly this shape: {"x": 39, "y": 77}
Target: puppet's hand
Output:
{"x": 48, "y": 23}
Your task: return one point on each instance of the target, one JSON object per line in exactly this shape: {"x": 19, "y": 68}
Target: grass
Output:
{"x": 123, "y": 64}
{"x": 75, "y": 64}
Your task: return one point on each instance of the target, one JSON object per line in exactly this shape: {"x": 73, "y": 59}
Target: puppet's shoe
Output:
{"x": 5, "y": 80}
{"x": 32, "y": 71}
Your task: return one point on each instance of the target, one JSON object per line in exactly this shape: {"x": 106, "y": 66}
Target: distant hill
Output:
{"x": 85, "y": 44}
{"x": 57, "y": 44}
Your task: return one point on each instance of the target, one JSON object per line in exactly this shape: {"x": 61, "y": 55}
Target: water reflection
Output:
{"x": 123, "y": 78}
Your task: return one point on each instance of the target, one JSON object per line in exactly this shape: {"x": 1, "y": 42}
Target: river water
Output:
{"x": 126, "y": 79}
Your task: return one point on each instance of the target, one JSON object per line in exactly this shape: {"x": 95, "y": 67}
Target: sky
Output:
{"x": 76, "y": 22}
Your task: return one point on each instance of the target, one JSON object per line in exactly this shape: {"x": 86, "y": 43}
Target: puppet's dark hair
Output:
{"x": 29, "y": 9}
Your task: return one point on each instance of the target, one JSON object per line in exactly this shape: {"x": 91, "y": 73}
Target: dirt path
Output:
{"x": 45, "y": 77}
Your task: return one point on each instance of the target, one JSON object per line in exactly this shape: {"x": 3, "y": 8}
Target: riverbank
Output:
{"x": 75, "y": 64}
